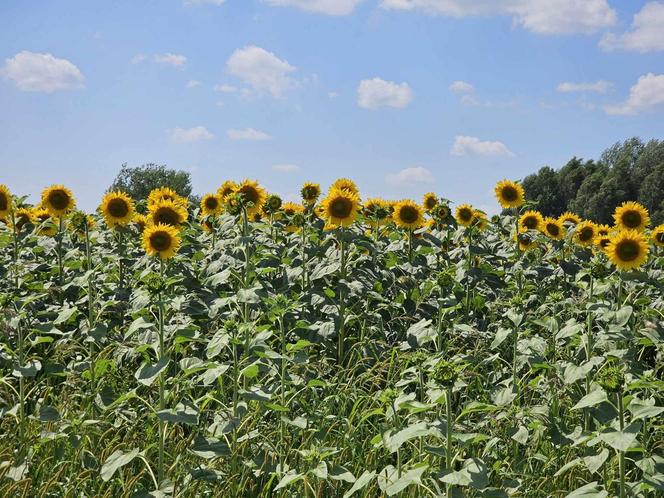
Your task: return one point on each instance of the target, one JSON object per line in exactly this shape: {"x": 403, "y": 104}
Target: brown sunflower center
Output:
{"x": 160, "y": 241}
{"x": 530, "y": 222}
{"x": 309, "y": 193}
{"x": 430, "y": 203}
{"x": 167, "y": 216}
{"x": 509, "y": 193}
{"x": 226, "y": 192}
{"x": 274, "y": 203}
{"x": 466, "y": 214}
{"x": 659, "y": 237}
{"x": 628, "y": 250}
{"x": 118, "y": 208}
{"x": 408, "y": 214}
{"x": 4, "y": 202}
{"x": 43, "y": 217}
{"x": 586, "y": 234}
{"x": 249, "y": 194}
{"x": 524, "y": 239}
{"x": 21, "y": 220}
{"x": 59, "y": 199}
{"x": 341, "y": 207}
{"x": 631, "y": 219}
{"x": 604, "y": 241}
{"x": 211, "y": 203}
{"x": 553, "y": 229}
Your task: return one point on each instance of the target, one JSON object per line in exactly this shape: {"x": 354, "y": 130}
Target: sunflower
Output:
{"x": 290, "y": 208}
{"x": 310, "y": 193}
{"x": 554, "y": 228}
{"x": 161, "y": 240}
{"x": 531, "y": 220}
{"x": 480, "y": 220}
{"x": 78, "y": 221}
{"x": 408, "y": 214}
{"x": 293, "y": 214}
{"x": 167, "y": 212}
{"x": 211, "y": 205}
{"x": 465, "y": 215}
{"x": 603, "y": 230}
{"x": 602, "y": 241}
{"x": 117, "y": 209}
{"x": 226, "y": 189}
{"x": 569, "y": 217}
{"x": 345, "y": 184}
{"x": 658, "y": 236}
{"x": 429, "y": 201}
{"x": 628, "y": 249}
{"x": 140, "y": 220}
{"x": 272, "y": 204}
{"x": 250, "y": 192}
{"x": 376, "y": 211}
{"x": 340, "y": 208}
{"x": 45, "y": 221}
{"x": 509, "y": 194}
{"x": 166, "y": 194}
{"x": 22, "y": 218}
{"x": 57, "y": 200}
{"x": 631, "y": 216}
{"x": 526, "y": 241}
{"x": 6, "y": 201}
{"x": 585, "y": 233}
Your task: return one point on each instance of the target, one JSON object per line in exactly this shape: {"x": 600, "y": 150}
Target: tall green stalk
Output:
{"x": 621, "y": 455}
{"x": 162, "y": 352}
{"x": 448, "y": 436}
{"x": 61, "y": 270}
{"x": 342, "y": 301}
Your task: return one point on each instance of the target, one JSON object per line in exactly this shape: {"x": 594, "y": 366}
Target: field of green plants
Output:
{"x": 335, "y": 347}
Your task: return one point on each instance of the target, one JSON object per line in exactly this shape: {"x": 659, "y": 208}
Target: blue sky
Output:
{"x": 403, "y": 96}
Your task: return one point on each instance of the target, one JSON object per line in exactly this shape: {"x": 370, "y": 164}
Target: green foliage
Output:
{"x": 139, "y": 181}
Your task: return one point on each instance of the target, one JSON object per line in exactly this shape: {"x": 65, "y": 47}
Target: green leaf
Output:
{"x": 250, "y": 371}
{"x": 623, "y": 315}
{"x": 362, "y": 481}
{"x": 147, "y": 373}
{"x": 473, "y": 474}
{"x": 48, "y": 414}
{"x": 182, "y": 414}
{"x": 289, "y": 478}
{"x": 500, "y": 336}
{"x": 594, "y": 462}
{"x": 394, "y": 441}
{"x": 642, "y": 409}
{"x": 622, "y": 440}
{"x": 520, "y": 435}
{"x": 28, "y": 370}
{"x": 209, "y": 448}
{"x": 65, "y": 315}
{"x": 592, "y": 490}
{"x": 339, "y": 473}
{"x": 593, "y": 399}
{"x": 137, "y": 325}
{"x": 391, "y": 484}
{"x": 116, "y": 460}
{"x": 503, "y": 396}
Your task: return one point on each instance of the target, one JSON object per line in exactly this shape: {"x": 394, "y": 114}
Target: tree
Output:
{"x": 543, "y": 188}
{"x": 139, "y": 181}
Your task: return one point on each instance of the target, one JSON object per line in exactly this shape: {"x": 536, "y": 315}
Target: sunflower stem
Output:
{"x": 162, "y": 404}
{"x": 61, "y": 277}
{"x": 621, "y": 455}
{"x": 342, "y": 302}
{"x": 410, "y": 245}
{"x": 448, "y": 436}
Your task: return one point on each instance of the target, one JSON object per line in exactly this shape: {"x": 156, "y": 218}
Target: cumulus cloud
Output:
{"x": 467, "y": 146}
{"x": 225, "y": 88}
{"x": 646, "y": 35}
{"x": 262, "y": 70}
{"x": 410, "y": 176}
{"x": 193, "y": 83}
{"x": 34, "y": 72}
{"x": 174, "y": 60}
{"x": 248, "y": 134}
{"x": 645, "y": 95}
{"x": 461, "y": 87}
{"x": 328, "y": 7}
{"x": 285, "y": 168}
{"x": 377, "y": 93}
{"x": 190, "y": 135}
{"x": 137, "y": 59}
{"x": 600, "y": 86}
{"x": 539, "y": 16}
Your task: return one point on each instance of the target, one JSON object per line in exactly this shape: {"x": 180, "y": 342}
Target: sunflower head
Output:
{"x": 376, "y": 211}
{"x": 480, "y": 220}
{"x": 509, "y": 194}
{"x": 310, "y": 192}
{"x": 167, "y": 212}
{"x": 345, "y": 184}
{"x": 226, "y": 189}
{"x": 252, "y": 196}
{"x": 603, "y": 230}
{"x": 6, "y": 201}
{"x": 631, "y": 216}
{"x": 140, "y": 220}
{"x": 161, "y": 240}
{"x": 430, "y": 201}
{"x": 211, "y": 205}
{"x": 585, "y": 233}
{"x": 554, "y": 229}
{"x": 340, "y": 207}
{"x": 272, "y": 204}
{"x": 531, "y": 220}
{"x": 46, "y": 223}
{"x": 628, "y": 249}
{"x": 294, "y": 214}
{"x": 57, "y": 200}
{"x": 79, "y": 223}
{"x": 465, "y": 214}
{"x": 408, "y": 214}
{"x": 658, "y": 236}
{"x": 569, "y": 217}
{"x": 526, "y": 241}
{"x": 117, "y": 209}
{"x": 23, "y": 218}
{"x": 166, "y": 194}
{"x": 602, "y": 241}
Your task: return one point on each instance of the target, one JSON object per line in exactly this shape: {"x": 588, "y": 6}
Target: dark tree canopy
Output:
{"x": 627, "y": 171}
{"x": 140, "y": 180}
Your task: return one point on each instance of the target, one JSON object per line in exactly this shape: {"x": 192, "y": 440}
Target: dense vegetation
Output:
{"x": 329, "y": 348}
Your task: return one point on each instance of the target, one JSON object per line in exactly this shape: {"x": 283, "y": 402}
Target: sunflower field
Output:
{"x": 333, "y": 347}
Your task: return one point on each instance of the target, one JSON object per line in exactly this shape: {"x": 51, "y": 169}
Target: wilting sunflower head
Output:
{"x": 6, "y": 201}
{"x": 585, "y": 233}
{"x": 23, "y": 219}
{"x": 46, "y": 223}
{"x": 408, "y": 214}
{"x": 628, "y": 249}
{"x": 294, "y": 214}
{"x": 569, "y": 217}
{"x": 161, "y": 240}
{"x": 480, "y": 220}
{"x": 658, "y": 236}
{"x": 340, "y": 207}
{"x": 211, "y": 205}
{"x": 345, "y": 184}
{"x": 430, "y": 201}
{"x": 631, "y": 216}
{"x": 252, "y": 195}
{"x": 376, "y": 211}
{"x": 226, "y": 189}
{"x": 272, "y": 204}
{"x": 57, "y": 200}
{"x": 310, "y": 192}
{"x": 166, "y": 194}
{"x": 78, "y": 222}
{"x": 509, "y": 194}
{"x": 465, "y": 213}
{"x": 526, "y": 241}
{"x": 531, "y": 220}
{"x": 554, "y": 229}
{"x": 441, "y": 212}
{"x": 140, "y": 220}
{"x": 117, "y": 209}
{"x": 167, "y": 213}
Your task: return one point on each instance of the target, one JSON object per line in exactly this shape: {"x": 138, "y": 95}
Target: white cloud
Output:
{"x": 329, "y": 7}
{"x": 600, "y": 86}
{"x": 285, "y": 168}
{"x": 465, "y": 146}
{"x": 225, "y": 88}
{"x": 376, "y": 93}
{"x": 177, "y": 61}
{"x": 32, "y": 72}
{"x": 137, "y": 59}
{"x": 190, "y": 135}
{"x": 539, "y": 16}
{"x": 248, "y": 134}
{"x": 647, "y": 34}
{"x": 646, "y": 94}
{"x": 203, "y": 2}
{"x": 262, "y": 70}
{"x": 332, "y": 95}
{"x": 193, "y": 83}
{"x": 461, "y": 87}
{"x": 409, "y": 176}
